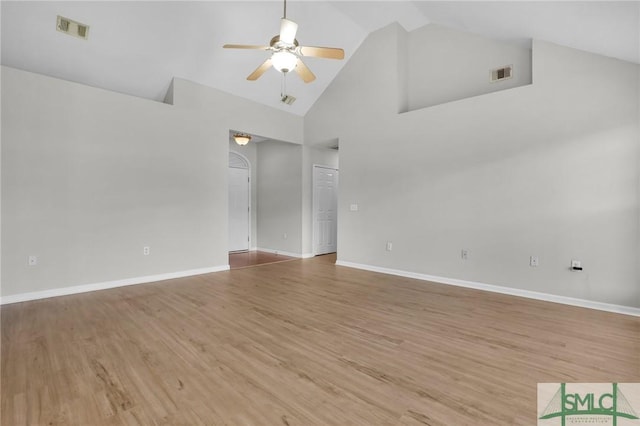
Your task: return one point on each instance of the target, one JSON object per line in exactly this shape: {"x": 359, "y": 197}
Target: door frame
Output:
{"x": 313, "y": 205}
{"x": 244, "y": 157}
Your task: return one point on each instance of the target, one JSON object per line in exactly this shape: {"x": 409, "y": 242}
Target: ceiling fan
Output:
{"x": 287, "y": 53}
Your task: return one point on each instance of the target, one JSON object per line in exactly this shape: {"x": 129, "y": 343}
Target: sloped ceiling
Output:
{"x": 138, "y": 47}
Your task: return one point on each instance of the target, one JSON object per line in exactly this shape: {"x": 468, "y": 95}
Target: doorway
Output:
{"x": 325, "y": 209}
{"x": 239, "y": 202}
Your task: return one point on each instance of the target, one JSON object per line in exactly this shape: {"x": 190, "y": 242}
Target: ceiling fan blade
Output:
{"x": 288, "y": 31}
{"x": 260, "y": 70}
{"x": 304, "y": 72}
{"x": 245, "y": 46}
{"x": 322, "y": 52}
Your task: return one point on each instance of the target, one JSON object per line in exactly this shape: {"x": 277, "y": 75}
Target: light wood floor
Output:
{"x": 300, "y": 343}
{"x": 253, "y": 258}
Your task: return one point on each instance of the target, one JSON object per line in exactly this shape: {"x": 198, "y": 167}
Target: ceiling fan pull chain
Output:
{"x": 283, "y": 88}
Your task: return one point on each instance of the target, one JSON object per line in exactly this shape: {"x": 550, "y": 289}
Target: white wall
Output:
{"x": 279, "y": 184}
{"x": 89, "y": 177}
{"x": 445, "y": 65}
{"x": 549, "y": 169}
{"x": 280, "y": 167}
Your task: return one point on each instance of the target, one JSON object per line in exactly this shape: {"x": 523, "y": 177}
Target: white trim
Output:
{"x": 284, "y": 253}
{"x": 601, "y": 306}
{"x": 65, "y": 291}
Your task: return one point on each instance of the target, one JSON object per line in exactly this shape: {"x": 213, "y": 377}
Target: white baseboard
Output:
{"x": 619, "y": 309}
{"x": 284, "y": 253}
{"x": 65, "y": 291}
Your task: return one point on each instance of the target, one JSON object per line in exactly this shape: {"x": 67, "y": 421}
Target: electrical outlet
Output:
{"x": 464, "y": 254}
{"x": 534, "y": 261}
{"x": 576, "y": 265}
{"x": 146, "y": 250}
{"x": 389, "y": 246}
{"x": 32, "y": 260}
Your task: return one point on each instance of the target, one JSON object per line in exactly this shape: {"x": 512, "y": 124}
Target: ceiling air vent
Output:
{"x": 287, "y": 99}
{"x": 71, "y": 27}
{"x": 502, "y": 73}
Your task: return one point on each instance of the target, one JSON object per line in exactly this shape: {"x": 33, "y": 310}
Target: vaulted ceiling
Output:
{"x": 138, "y": 47}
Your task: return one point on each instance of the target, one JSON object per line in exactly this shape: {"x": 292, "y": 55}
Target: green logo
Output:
{"x": 586, "y": 402}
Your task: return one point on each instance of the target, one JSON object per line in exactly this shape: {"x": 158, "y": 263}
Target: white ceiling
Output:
{"x": 137, "y": 47}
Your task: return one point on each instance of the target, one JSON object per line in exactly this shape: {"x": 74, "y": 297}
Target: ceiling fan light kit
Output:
{"x": 284, "y": 61}
{"x": 287, "y": 53}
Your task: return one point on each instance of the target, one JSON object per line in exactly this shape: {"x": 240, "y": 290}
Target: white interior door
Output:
{"x": 239, "y": 216}
{"x": 325, "y": 210}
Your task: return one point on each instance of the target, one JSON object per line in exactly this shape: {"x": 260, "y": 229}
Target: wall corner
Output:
{"x": 168, "y": 97}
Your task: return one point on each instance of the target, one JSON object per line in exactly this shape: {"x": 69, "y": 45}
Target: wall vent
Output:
{"x": 502, "y": 73}
{"x": 71, "y": 27}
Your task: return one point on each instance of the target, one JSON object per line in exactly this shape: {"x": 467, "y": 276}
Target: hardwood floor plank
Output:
{"x": 254, "y": 258}
{"x": 302, "y": 342}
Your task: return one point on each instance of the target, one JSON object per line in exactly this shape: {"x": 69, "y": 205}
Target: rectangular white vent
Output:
{"x": 287, "y": 99}
{"x": 71, "y": 27}
{"x": 502, "y": 73}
